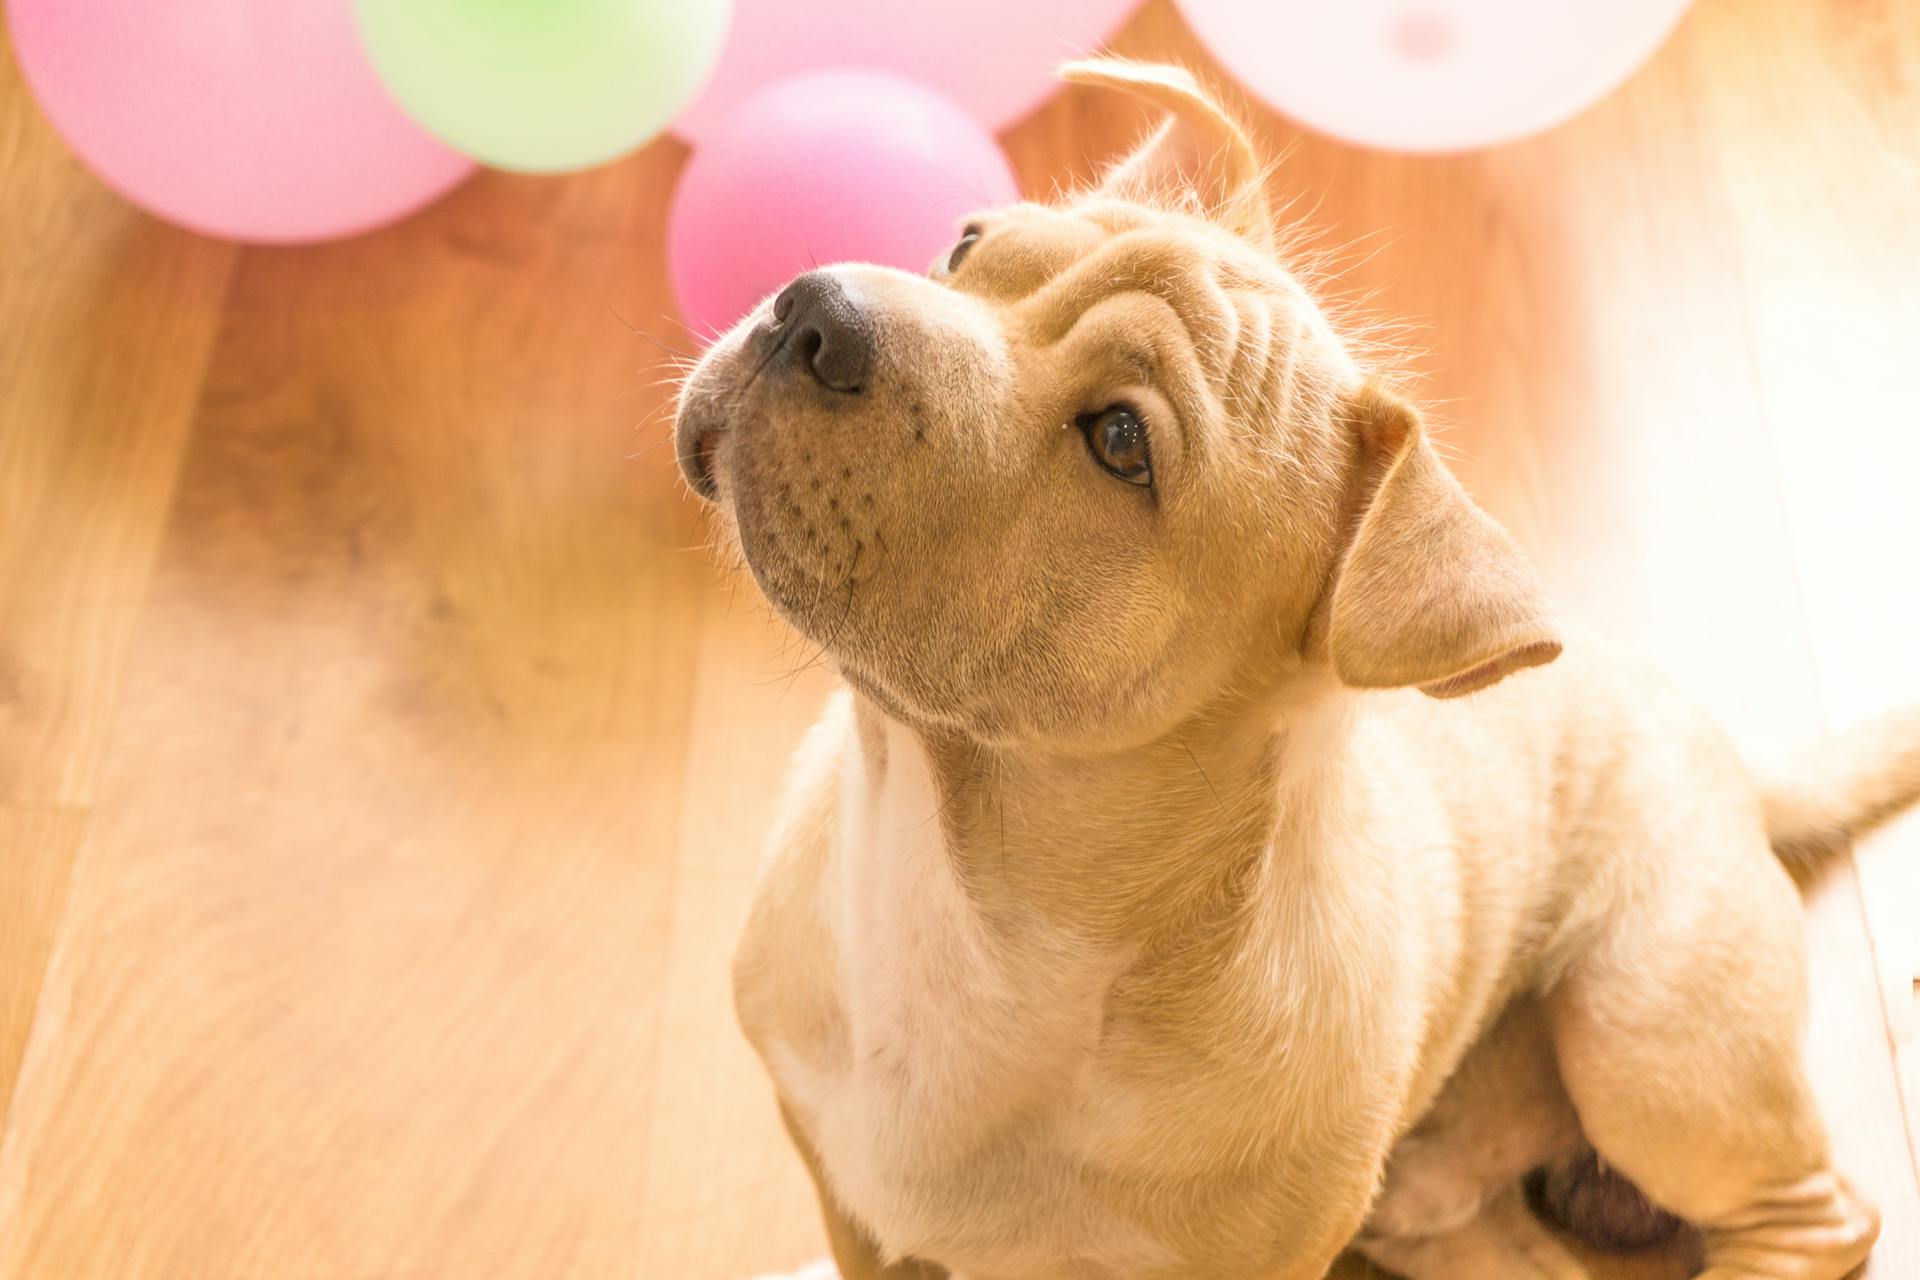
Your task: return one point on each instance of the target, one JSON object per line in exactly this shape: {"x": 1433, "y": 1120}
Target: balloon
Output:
{"x": 1432, "y": 75}
{"x": 237, "y": 118}
{"x": 993, "y": 57}
{"x": 544, "y": 85}
{"x": 824, "y": 167}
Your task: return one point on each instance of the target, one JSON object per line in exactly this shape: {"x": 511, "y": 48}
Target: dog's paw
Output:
{"x": 821, "y": 1270}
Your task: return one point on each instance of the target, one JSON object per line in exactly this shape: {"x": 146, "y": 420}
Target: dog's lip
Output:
{"x": 697, "y": 447}
{"x": 712, "y": 396}
{"x": 704, "y": 420}
{"x": 704, "y": 450}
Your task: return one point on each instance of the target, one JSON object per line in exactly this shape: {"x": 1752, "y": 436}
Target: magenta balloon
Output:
{"x": 829, "y": 166}
{"x": 994, "y": 57}
{"x": 257, "y": 120}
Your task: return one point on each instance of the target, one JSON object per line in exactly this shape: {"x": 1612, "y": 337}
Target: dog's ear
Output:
{"x": 1430, "y": 592}
{"x": 1199, "y": 156}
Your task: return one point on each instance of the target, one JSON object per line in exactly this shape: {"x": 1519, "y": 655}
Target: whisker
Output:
{"x": 644, "y": 336}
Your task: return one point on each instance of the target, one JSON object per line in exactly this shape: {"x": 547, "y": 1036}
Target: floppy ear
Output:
{"x": 1200, "y": 155}
{"x": 1431, "y": 592}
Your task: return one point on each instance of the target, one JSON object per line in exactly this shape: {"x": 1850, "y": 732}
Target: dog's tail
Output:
{"x": 1830, "y": 795}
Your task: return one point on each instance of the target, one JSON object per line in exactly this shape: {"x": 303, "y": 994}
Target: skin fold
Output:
{"x": 1214, "y": 864}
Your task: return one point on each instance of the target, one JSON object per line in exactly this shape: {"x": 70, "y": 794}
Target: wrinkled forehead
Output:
{"x": 1026, "y": 247}
{"x": 1206, "y": 315}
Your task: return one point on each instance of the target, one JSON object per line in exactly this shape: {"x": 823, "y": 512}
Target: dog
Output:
{"x": 1150, "y": 900}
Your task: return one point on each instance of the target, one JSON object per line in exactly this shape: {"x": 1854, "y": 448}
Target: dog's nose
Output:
{"x": 825, "y": 330}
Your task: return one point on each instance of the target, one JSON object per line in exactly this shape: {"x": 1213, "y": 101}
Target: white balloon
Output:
{"x": 1432, "y": 75}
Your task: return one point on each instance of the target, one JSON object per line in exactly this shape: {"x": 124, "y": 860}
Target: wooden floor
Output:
{"x": 383, "y": 761}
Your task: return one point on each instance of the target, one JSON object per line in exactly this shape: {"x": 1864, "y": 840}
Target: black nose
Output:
{"x": 820, "y": 327}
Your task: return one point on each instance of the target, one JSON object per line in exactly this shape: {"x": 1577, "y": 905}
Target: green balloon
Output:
{"x": 543, "y": 85}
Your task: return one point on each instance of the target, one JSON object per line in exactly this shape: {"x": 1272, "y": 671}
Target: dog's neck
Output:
{"x": 1126, "y": 846}
{"x": 987, "y": 902}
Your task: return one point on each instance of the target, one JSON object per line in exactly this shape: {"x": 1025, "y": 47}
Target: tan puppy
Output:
{"x": 1142, "y": 907}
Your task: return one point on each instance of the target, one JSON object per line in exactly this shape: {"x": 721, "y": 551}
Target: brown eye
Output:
{"x": 1117, "y": 439}
{"x": 960, "y": 251}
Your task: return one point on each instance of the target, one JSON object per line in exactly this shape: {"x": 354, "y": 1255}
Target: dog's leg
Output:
{"x": 1502, "y": 1114}
{"x": 1450, "y": 1206}
{"x": 1503, "y": 1240}
{"x": 1678, "y": 1035}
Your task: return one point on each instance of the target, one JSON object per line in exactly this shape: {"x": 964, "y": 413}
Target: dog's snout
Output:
{"x": 825, "y": 331}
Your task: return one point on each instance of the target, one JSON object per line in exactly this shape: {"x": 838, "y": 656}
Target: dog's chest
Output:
{"x": 952, "y": 1111}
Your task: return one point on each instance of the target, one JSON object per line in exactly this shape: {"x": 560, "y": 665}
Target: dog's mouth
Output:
{"x": 698, "y": 459}
{"x": 706, "y": 420}
{"x": 715, "y": 396}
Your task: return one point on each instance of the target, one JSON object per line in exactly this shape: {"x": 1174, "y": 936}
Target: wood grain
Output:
{"x": 383, "y": 759}
{"x": 37, "y": 847}
{"x": 106, "y": 321}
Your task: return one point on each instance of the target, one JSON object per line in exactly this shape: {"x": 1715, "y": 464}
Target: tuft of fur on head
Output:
{"x": 1202, "y": 162}
{"x": 1199, "y": 161}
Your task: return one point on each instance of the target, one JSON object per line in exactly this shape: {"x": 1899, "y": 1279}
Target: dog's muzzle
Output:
{"x": 816, "y": 329}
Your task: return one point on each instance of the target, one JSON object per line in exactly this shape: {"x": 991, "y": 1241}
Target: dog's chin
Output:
{"x": 820, "y": 600}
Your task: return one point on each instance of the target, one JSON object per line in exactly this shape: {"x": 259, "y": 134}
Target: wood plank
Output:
{"x": 362, "y": 968}
{"x": 104, "y": 333}
{"x": 37, "y": 847}
{"x": 106, "y": 319}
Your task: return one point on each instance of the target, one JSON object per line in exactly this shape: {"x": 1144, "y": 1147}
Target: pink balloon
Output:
{"x": 1431, "y": 75}
{"x": 993, "y": 57}
{"x": 829, "y": 166}
{"x": 256, "y": 120}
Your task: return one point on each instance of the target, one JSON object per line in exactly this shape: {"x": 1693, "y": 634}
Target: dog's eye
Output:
{"x": 968, "y": 239}
{"x": 1117, "y": 438}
